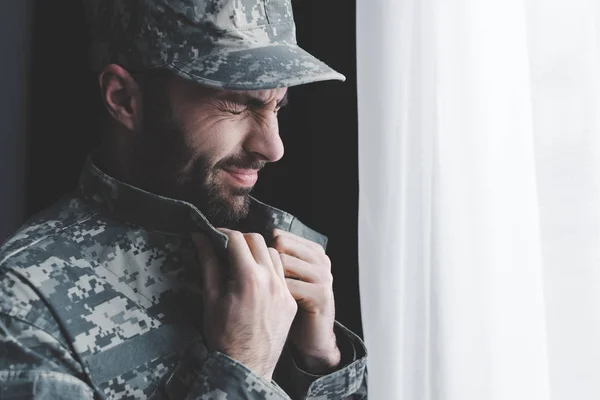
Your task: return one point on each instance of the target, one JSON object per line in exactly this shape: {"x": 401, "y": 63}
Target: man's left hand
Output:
{"x": 308, "y": 275}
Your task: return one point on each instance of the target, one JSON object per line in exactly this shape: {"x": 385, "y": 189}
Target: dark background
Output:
{"x": 317, "y": 180}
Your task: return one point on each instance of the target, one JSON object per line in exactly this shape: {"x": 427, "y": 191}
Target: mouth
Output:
{"x": 242, "y": 177}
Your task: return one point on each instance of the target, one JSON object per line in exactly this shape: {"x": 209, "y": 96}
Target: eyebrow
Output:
{"x": 257, "y": 102}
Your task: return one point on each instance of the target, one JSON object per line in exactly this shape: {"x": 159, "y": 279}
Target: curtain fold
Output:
{"x": 395, "y": 235}
{"x": 564, "y": 45}
{"x": 478, "y": 208}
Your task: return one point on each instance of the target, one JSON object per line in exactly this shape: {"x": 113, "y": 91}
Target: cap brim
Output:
{"x": 255, "y": 69}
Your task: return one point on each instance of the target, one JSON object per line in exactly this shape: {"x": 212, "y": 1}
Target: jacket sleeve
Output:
{"x": 202, "y": 375}
{"x": 34, "y": 365}
{"x": 35, "y": 362}
{"x": 348, "y": 381}
{"x": 216, "y": 376}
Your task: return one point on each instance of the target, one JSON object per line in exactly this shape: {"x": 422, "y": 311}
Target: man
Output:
{"x": 161, "y": 277}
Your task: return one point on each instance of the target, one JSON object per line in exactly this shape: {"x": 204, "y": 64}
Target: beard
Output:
{"x": 222, "y": 204}
{"x": 168, "y": 166}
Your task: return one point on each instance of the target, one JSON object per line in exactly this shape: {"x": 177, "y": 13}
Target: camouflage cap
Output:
{"x": 228, "y": 44}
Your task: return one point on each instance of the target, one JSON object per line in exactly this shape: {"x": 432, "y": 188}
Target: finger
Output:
{"x": 239, "y": 255}
{"x": 299, "y": 269}
{"x": 310, "y": 297}
{"x": 210, "y": 267}
{"x": 277, "y": 264}
{"x": 289, "y": 245}
{"x": 315, "y": 246}
{"x": 258, "y": 248}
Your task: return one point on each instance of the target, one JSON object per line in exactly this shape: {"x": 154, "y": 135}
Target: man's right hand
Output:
{"x": 248, "y": 312}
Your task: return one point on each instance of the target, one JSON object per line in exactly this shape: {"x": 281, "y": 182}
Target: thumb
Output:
{"x": 209, "y": 266}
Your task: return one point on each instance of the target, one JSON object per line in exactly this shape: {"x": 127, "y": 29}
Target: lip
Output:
{"x": 242, "y": 177}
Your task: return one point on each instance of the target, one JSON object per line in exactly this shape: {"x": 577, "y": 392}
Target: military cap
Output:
{"x": 227, "y": 44}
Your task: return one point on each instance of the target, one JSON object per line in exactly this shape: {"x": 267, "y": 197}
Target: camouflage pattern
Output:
{"x": 100, "y": 298}
{"x": 229, "y": 44}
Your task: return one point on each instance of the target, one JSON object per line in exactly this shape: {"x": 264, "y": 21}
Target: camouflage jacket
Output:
{"x": 99, "y": 298}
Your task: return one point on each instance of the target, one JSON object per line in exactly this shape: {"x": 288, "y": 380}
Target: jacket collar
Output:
{"x": 154, "y": 212}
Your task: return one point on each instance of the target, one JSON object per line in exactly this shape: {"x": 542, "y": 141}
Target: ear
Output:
{"x": 122, "y": 96}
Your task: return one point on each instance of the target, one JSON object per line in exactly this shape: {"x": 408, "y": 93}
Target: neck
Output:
{"x": 114, "y": 159}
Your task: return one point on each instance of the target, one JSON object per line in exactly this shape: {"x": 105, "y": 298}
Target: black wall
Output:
{"x": 316, "y": 180}
{"x": 14, "y": 66}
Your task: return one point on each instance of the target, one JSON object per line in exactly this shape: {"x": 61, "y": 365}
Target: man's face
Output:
{"x": 206, "y": 146}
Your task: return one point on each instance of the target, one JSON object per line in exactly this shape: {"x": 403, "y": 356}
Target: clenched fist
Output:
{"x": 308, "y": 274}
{"x": 248, "y": 312}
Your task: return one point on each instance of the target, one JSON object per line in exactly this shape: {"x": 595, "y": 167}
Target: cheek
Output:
{"x": 217, "y": 137}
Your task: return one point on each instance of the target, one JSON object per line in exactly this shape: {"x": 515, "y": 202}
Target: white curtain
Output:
{"x": 479, "y": 219}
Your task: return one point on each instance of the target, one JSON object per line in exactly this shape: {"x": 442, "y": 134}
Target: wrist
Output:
{"x": 318, "y": 362}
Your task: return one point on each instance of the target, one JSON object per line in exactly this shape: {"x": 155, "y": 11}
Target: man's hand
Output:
{"x": 308, "y": 274}
{"x": 248, "y": 314}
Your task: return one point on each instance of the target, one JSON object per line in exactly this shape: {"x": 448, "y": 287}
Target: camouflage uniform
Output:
{"x": 100, "y": 297}
{"x": 100, "y": 294}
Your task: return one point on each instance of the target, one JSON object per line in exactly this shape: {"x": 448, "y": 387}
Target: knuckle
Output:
{"x": 279, "y": 242}
{"x": 236, "y": 235}
{"x": 326, "y": 261}
{"x": 317, "y": 247}
{"x": 279, "y": 292}
{"x": 255, "y": 237}
{"x": 328, "y": 278}
{"x": 291, "y": 303}
{"x": 284, "y": 258}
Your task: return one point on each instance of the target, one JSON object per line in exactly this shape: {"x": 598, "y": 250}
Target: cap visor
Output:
{"x": 255, "y": 69}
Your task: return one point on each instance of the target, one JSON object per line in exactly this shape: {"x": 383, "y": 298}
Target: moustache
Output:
{"x": 242, "y": 163}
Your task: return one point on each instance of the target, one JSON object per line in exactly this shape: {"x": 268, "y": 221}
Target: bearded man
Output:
{"x": 160, "y": 276}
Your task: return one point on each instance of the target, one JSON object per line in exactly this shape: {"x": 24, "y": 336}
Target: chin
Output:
{"x": 238, "y": 205}
{"x": 228, "y": 210}
{"x": 224, "y": 205}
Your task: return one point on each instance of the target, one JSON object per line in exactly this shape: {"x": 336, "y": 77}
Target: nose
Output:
{"x": 264, "y": 140}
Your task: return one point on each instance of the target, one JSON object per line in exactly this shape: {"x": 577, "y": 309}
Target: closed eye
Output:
{"x": 233, "y": 107}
